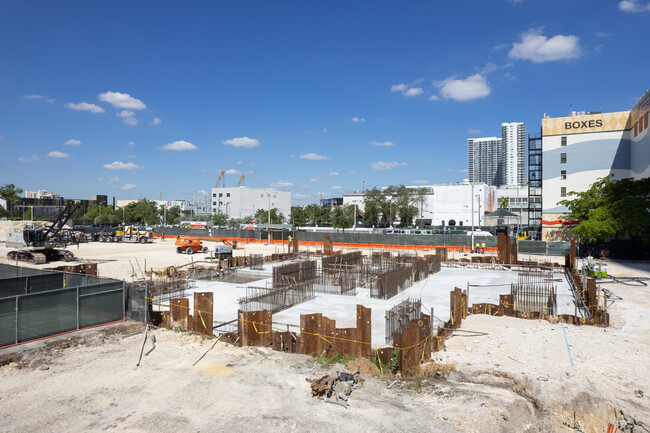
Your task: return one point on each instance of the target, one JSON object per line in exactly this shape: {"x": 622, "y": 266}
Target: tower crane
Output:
{"x": 221, "y": 173}
{"x": 240, "y": 180}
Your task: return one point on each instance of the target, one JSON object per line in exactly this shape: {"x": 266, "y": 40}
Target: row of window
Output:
{"x": 221, "y": 194}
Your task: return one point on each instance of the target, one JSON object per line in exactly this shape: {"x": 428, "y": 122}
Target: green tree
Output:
{"x": 9, "y": 192}
{"x": 298, "y": 216}
{"x": 342, "y": 217}
{"x": 261, "y": 216}
{"x": 220, "y": 219}
{"x": 318, "y": 214}
{"x": 612, "y": 209}
{"x": 374, "y": 201}
{"x": 145, "y": 212}
{"x": 504, "y": 202}
{"x": 172, "y": 216}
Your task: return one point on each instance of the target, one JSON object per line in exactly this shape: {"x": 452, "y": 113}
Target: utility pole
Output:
{"x": 472, "y": 245}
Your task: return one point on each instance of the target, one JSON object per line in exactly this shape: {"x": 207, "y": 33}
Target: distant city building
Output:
{"x": 579, "y": 149}
{"x": 513, "y": 143}
{"x": 485, "y": 160}
{"x": 517, "y": 199}
{"x": 41, "y": 193}
{"x": 242, "y": 201}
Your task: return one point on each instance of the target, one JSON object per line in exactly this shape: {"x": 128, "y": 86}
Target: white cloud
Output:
{"x": 84, "y": 106}
{"x": 240, "y": 162}
{"x": 334, "y": 173}
{"x": 314, "y": 179}
{"x": 464, "y": 170}
{"x": 381, "y": 165}
{"x": 500, "y": 47}
{"x": 337, "y": 187}
{"x": 117, "y": 165}
{"x": 325, "y": 131}
{"x": 398, "y": 87}
{"x": 300, "y": 196}
{"x": 472, "y": 131}
{"x": 282, "y": 184}
{"x": 413, "y": 91}
{"x": 472, "y": 87}
{"x": 127, "y": 117}
{"x": 433, "y": 98}
{"x": 101, "y": 179}
{"x": 633, "y": 6}
{"x": 449, "y": 170}
{"x": 536, "y": 47}
{"x": 313, "y": 156}
{"x": 50, "y": 100}
{"x": 381, "y": 143}
{"x": 602, "y": 34}
{"x": 179, "y": 145}
{"x": 155, "y": 121}
{"x": 128, "y": 186}
{"x": 33, "y": 158}
{"x": 73, "y": 142}
{"x": 121, "y": 100}
{"x": 232, "y": 171}
{"x": 114, "y": 180}
{"x": 57, "y": 154}
{"x": 131, "y": 143}
{"x": 34, "y": 96}
{"x": 356, "y": 119}
{"x": 352, "y": 172}
{"x": 242, "y": 142}
{"x": 421, "y": 182}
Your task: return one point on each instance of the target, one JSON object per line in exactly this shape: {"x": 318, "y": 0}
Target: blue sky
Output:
{"x": 138, "y": 99}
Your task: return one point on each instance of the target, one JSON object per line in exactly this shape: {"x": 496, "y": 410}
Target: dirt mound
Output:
{"x": 364, "y": 364}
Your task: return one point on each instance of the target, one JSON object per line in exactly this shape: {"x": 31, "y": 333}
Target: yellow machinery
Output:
{"x": 132, "y": 234}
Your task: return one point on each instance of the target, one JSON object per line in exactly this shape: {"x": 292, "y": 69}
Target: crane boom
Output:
{"x": 240, "y": 180}
{"x": 221, "y": 173}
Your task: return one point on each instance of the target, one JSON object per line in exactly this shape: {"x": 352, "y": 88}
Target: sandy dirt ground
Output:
{"x": 497, "y": 374}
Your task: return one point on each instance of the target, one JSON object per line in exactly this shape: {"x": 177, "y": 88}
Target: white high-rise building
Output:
{"x": 485, "y": 160}
{"x": 513, "y": 142}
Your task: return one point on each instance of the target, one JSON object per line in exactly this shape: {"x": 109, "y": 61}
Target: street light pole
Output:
{"x": 472, "y": 192}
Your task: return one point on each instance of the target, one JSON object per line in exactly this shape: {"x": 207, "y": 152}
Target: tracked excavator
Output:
{"x": 43, "y": 245}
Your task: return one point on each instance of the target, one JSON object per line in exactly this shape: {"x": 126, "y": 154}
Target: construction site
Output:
{"x": 225, "y": 333}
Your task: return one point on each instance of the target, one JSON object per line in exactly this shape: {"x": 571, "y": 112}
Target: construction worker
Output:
{"x": 483, "y": 248}
{"x": 477, "y": 250}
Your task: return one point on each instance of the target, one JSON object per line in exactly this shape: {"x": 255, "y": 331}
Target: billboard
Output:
{"x": 600, "y": 122}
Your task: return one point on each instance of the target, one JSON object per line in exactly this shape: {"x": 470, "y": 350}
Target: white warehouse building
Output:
{"x": 448, "y": 203}
{"x": 242, "y": 201}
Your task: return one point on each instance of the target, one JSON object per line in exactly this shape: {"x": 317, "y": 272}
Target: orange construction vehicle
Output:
{"x": 190, "y": 246}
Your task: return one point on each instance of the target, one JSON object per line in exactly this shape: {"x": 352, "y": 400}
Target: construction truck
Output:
{"x": 43, "y": 245}
{"x": 132, "y": 234}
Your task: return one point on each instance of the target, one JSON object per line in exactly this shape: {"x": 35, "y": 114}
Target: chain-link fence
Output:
{"x": 36, "y": 306}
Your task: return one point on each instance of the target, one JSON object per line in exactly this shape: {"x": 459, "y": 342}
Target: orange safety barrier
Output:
{"x": 344, "y": 244}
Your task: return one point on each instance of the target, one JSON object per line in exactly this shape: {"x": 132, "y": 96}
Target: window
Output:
{"x": 563, "y": 142}
{"x": 563, "y": 174}
{"x": 227, "y": 194}
{"x": 214, "y": 195}
{"x": 214, "y": 203}
{"x": 220, "y": 194}
{"x": 562, "y": 158}
{"x": 563, "y": 191}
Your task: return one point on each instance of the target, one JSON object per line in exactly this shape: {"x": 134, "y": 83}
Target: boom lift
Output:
{"x": 43, "y": 243}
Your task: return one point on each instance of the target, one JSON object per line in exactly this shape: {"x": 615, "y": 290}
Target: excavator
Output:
{"x": 43, "y": 244}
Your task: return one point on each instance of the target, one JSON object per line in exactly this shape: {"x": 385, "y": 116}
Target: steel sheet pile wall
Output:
{"x": 256, "y": 261}
{"x": 202, "y": 321}
{"x": 387, "y": 284}
{"x": 318, "y": 334}
{"x": 340, "y": 274}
